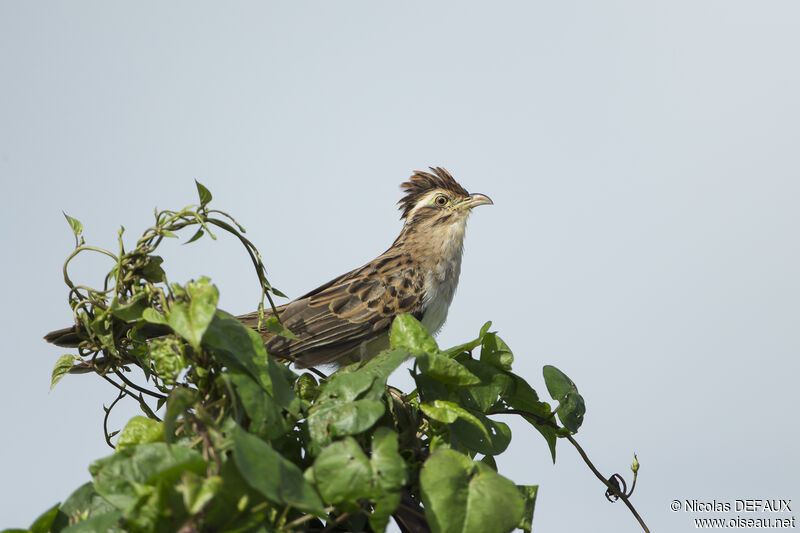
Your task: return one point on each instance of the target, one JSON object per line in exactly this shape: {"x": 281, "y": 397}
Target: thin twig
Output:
{"x": 317, "y": 372}
{"x": 146, "y": 408}
{"x": 549, "y": 422}
{"x": 108, "y": 409}
{"x": 305, "y": 518}
{"x": 257, "y": 263}
{"x": 209, "y": 447}
{"x": 117, "y": 385}
{"x": 138, "y": 388}
{"x": 282, "y": 518}
{"x": 412, "y": 510}
{"x": 339, "y": 519}
{"x": 612, "y": 488}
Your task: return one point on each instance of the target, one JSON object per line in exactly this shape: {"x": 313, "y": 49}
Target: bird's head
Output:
{"x": 436, "y": 199}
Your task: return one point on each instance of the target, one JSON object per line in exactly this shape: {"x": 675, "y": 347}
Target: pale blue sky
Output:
{"x": 643, "y": 159}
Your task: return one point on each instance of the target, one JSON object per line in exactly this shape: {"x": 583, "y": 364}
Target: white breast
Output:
{"x": 440, "y": 287}
{"x": 435, "y": 313}
{"x": 441, "y": 280}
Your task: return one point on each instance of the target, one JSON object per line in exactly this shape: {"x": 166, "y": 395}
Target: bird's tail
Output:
{"x": 71, "y": 337}
{"x": 66, "y": 337}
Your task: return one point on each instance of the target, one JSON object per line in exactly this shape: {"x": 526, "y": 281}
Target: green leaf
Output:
{"x": 439, "y": 441}
{"x": 429, "y": 388}
{"x": 366, "y": 379}
{"x": 528, "y": 493}
{"x": 154, "y": 317}
{"x": 524, "y": 398}
{"x": 460, "y": 495}
{"x": 485, "y": 394}
{"x": 407, "y": 332}
{"x": 191, "y": 320}
{"x": 345, "y": 387}
{"x": 572, "y": 411}
{"x": 492, "y": 439}
{"x": 356, "y": 417}
{"x": 495, "y": 352}
{"x": 380, "y": 368}
{"x": 140, "y": 430}
{"x": 445, "y": 369}
{"x": 179, "y": 400}
{"x": 272, "y": 324}
{"x": 75, "y": 224}
{"x": 45, "y": 521}
{"x": 101, "y": 328}
{"x": 489, "y": 461}
{"x": 382, "y": 365}
{"x": 277, "y": 479}
{"x": 231, "y": 509}
{"x": 449, "y": 412}
{"x": 120, "y": 478}
{"x": 198, "y": 491}
{"x": 342, "y": 472}
{"x": 558, "y": 384}
{"x": 237, "y": 345}
{"x": 167, "y": 355}
{"x": 346, "y": 418}
{"x": 276, "y": 292}
{"x": 306, "y": 387}
{"x": 388, "y": 477}
{"x": 203, "y": 193}
{"x": 388, "y": 467}
{"x": 83, "y": 503}
{"x": 63, "y": 365}
{"x": 386, "y": 503}
{"x": 282, "y": 379}
{"x": 152, "y": 271}
{"x": 197, "y": 234}
{"x": 562, "y": 389}
{"x": 266, "y": 418}
{"x": 468, "y": 346}
{"x": 350, "y": 402}
{"x": 107, "y": 522}
{"x": 130, "y": 310}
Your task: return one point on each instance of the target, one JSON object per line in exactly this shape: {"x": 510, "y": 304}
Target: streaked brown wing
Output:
{"x": 347, "y": 311}
{"x": 251, "y": 319}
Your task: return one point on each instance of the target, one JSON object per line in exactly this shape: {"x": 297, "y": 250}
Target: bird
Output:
{"x": 348, "y": 319}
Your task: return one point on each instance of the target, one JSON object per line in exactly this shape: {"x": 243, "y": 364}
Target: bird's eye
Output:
{"x": 440, "y": 200}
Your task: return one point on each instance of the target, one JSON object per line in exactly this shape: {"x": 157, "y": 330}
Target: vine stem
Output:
{"x": 319, "y": 374}
{"x": 108, "y": 409}
{"x": 146, "y": 408}
{"x": 138, "y": 388}
{"x": 613, "y": 489}
{"x": 549, "y": 422}
{"x": 78, "y": 250}
{"x": 306, "y": 518}
{"x": 338, "y": 520}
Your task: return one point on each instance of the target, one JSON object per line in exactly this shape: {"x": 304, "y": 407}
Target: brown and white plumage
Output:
{"x": 348, "y": 318}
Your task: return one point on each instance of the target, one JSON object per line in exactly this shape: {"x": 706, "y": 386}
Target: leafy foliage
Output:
{"x": 237, "y": 441}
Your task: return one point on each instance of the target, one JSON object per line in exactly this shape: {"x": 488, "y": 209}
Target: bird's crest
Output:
{"x": 423, "y": 182}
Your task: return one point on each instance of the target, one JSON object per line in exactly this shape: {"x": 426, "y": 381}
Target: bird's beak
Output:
{"x": 474, "y": 200}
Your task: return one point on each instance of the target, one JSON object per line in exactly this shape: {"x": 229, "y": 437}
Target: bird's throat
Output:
{"x": 445, "y": 246}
